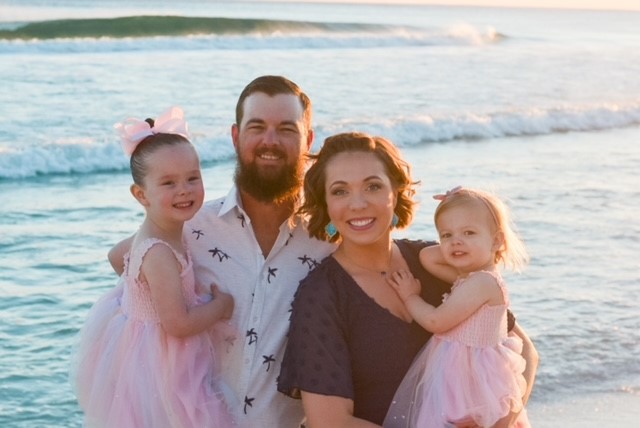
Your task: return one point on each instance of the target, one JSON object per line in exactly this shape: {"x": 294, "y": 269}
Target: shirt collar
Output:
{"x": 233, "y": 201}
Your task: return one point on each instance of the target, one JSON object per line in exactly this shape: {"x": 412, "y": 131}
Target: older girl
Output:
{"x": 145, "y": 355}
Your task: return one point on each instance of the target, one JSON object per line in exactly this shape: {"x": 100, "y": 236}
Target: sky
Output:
{"x": 569, "y": 4}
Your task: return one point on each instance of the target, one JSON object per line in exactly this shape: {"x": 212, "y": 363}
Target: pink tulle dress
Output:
{"x": 127, "y": 372}
{"x": 473, "y": 370}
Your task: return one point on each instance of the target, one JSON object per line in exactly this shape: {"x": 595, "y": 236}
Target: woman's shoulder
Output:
{"x": 328, "y": 279}
{"x": 417, "y": 243}
{"x": 414, "y": 245}
{"x": 321, "y": 274}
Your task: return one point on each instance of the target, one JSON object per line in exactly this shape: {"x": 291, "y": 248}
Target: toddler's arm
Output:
{"x": 463, "y": 301}
{"x": 161, "y": 271}
{"x": 432, "y": 260}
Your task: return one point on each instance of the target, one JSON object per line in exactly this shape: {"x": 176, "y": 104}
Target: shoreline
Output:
{"x": 613, "y": 409}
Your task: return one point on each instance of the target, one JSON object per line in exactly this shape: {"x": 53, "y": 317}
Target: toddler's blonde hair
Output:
{"x": 512, "y": 254}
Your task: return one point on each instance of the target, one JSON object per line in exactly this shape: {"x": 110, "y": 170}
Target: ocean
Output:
{"x": 540, "y": 106}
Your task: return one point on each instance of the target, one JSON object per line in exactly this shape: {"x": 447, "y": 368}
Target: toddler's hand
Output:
{"x": 225, "y": 299}
{"x": 404, "y": 284}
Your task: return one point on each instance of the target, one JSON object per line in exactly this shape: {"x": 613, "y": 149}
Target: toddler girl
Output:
{"x": 470, "y": 369}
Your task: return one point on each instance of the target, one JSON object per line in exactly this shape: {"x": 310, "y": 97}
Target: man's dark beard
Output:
{"x": 276, "y": 187}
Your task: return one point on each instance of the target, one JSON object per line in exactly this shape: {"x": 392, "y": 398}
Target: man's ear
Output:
{"x": 138, "y": 192}
{"x": 235, "y": 135}
{"x": 310, "y": 137}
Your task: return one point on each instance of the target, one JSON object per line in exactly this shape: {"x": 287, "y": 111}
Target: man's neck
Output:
{"x": 266, "y": 219}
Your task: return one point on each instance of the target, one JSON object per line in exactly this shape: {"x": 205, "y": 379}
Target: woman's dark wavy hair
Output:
{"x": 314, "y": 205}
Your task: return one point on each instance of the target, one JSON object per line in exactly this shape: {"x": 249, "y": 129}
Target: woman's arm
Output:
{"x": 329, "y": 411}
{"x": 530, "y": 355}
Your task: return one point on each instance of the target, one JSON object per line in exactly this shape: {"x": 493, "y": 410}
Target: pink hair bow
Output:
{"x": 443, "y": 196}
{"x": 132, "y": 131}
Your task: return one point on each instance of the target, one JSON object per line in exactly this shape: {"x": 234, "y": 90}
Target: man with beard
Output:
{"x": 253, "y": 246}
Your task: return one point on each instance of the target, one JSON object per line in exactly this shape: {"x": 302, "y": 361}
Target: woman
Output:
{"x": 351, "y": 339}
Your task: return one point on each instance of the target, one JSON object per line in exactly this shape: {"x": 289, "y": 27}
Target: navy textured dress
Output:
{"x": 342, "y": 343}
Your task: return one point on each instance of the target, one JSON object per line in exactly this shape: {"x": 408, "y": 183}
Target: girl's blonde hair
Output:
{"x": 512, "y": 253}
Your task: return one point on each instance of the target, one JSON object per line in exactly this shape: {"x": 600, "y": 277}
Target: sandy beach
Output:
{"x": 620, "y": 410}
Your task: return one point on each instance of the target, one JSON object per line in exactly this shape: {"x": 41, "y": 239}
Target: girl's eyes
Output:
{"x": 449, "y": 235}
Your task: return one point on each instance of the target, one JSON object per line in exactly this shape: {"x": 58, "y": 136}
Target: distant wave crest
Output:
{"x": 148, "y": 26}
{"x": 179, "y": 32}
{"x": 84, "y": 156}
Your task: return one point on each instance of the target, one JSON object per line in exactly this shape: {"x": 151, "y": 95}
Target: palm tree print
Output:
{"x": 242, "y": 219}
{"x": 219, "y": 253}
{"x": 288, "y": 239}
{"x": 247, "y": 402}
{"x": 198, "y": 233}
{"x": 252, "y": 335}
{"x": 268, "y": 359}
{"x": 306, "y": 260}
{"x": 272, "y": 273}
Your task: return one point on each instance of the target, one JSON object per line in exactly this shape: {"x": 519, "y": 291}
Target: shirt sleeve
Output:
{"x": 317, "y": 357}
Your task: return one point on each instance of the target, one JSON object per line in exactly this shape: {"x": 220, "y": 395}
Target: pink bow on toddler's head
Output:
{"x": 132, "y": 131}
{"x": 442, "y": 197}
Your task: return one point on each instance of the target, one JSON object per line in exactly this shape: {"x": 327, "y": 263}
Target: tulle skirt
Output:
{"x": 130, "y": 373}
{"x": 449, "y": 381}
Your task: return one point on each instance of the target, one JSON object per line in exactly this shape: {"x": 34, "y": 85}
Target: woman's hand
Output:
{"x": 329, "y": 411}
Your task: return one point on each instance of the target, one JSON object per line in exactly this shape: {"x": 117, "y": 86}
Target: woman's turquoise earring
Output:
{"x": 395, "y": 220}
{"x": 331, "y": 230}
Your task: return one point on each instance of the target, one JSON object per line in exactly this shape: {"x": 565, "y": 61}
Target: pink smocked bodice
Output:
{"x": 136, "y": 298}
{"x": 129, "y": 371}
{"x": 487, "y": 326}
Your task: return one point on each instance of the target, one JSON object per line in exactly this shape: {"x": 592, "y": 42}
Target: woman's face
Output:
{"x": 360, "y": 197}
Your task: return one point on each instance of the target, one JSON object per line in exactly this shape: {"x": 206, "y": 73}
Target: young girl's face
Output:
{"x": 173, "y": 189}
{"x": 360, "y": 197}
{"x": 468, "y": 240}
